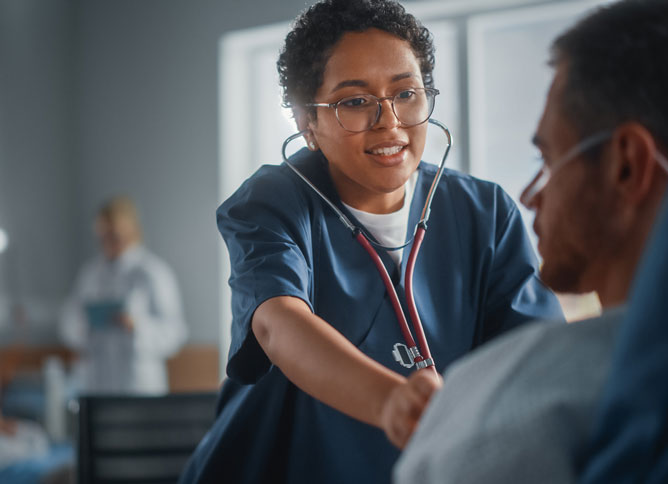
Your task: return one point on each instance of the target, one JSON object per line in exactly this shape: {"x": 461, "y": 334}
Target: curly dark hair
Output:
{"x": 316, "y": 31}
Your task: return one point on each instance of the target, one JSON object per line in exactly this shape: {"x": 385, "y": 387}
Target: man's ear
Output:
{"x": 634, "y": 163}
{"x": 305, "y": 122}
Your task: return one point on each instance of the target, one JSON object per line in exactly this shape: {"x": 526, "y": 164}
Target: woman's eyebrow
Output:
{"x": 348, "y": 83}
{"x": 403, "y": 75}
{"x": 361, "y": 83}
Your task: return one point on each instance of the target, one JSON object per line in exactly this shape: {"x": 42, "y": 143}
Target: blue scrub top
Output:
{"x": 475, "y": 277}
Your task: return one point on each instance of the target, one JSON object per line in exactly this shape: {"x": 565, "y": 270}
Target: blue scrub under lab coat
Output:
{"x": 475, "y": 277}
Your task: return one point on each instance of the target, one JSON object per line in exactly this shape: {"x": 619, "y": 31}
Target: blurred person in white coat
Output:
{"x": 124, "y": 314}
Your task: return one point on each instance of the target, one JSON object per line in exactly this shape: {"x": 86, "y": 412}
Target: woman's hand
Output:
{"x": 404, "y": 406}
{"x": 323, "y": 363}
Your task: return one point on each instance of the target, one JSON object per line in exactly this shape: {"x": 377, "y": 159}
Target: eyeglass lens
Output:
{"x": 361, "y": 112}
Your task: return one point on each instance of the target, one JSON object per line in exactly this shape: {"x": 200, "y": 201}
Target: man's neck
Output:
{"x": 615, "y": 281}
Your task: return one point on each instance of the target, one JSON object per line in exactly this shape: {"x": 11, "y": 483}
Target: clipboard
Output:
{"x": 103, "y": 314}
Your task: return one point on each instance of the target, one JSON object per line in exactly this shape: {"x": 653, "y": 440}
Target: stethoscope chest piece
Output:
{"x": 402, "y": 355}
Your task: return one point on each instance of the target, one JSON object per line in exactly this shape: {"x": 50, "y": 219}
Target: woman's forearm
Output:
{"x": 321, "y": 361}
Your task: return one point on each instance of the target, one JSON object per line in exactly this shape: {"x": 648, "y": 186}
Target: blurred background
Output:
{"x": 173, "y": 103}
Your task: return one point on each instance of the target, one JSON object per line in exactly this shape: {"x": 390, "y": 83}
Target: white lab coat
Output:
{"x": 115, "y": 360}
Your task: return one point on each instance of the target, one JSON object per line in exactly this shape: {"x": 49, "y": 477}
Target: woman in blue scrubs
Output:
{"x": 315, "y": 393}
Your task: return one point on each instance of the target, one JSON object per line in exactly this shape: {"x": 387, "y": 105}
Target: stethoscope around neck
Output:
{"x": 419, "y": 352}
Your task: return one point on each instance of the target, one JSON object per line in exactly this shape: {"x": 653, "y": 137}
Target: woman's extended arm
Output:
{"x": 323, "y": 363}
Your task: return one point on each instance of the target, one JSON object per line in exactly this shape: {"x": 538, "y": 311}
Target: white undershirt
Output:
{"x": 390, "y": 228}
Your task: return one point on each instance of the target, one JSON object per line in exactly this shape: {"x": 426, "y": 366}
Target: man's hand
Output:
{"x": 405, "y": 405}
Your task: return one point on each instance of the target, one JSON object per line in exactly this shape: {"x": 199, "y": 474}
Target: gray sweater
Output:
{"x": 518, "y": 410}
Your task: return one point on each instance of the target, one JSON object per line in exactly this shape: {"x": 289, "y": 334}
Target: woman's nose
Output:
{"x": 387, "y": 119}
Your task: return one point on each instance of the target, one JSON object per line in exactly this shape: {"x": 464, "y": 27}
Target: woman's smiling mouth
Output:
{"x": 387, "y": 151}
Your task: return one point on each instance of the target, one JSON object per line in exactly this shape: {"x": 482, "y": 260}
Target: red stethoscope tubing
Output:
{"x": 410, "y": 299}
{"x": 425, "y": 354}
{"x": 389, "y": 287}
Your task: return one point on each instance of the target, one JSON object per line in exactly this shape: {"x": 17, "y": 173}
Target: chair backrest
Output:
{"x": 140, "y": 439}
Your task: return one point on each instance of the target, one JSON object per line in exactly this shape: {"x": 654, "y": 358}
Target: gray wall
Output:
{"x": 38, "y": 169}
{"x": 102, "y": 97}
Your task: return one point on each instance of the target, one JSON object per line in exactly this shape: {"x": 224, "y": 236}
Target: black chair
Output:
{"x": 140, "y": 439}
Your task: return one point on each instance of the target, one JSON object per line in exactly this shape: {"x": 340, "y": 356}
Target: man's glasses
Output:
{"x": 361, "y": 112}
{"x": 543, "y": 176}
